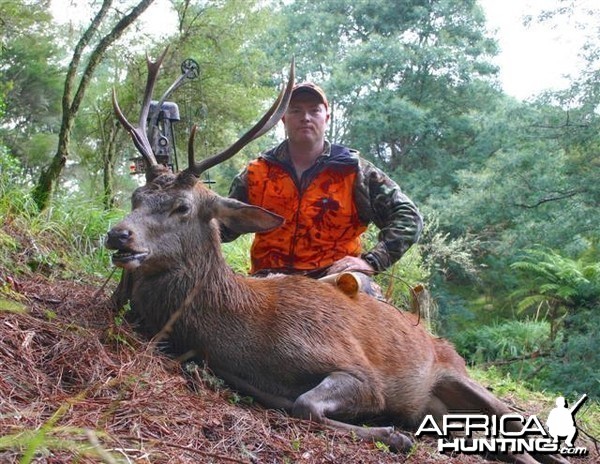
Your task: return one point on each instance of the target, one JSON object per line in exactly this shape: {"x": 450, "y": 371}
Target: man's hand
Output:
{"x": 351, "y": 263}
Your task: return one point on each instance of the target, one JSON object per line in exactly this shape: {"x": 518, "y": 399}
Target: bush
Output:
{"x": 576, "y": 367}
{"x": 523, "y": 350}
{"x": 503, "y": 341}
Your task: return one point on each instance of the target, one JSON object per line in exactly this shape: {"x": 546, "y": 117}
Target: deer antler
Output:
{"x": 266, "y": 123}
{"x": 139, "y": 134}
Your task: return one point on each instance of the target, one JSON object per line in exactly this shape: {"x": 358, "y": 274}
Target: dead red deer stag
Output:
{"x": 291, "y": 342}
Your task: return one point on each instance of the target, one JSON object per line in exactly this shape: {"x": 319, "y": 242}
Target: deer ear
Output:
{"x": 242, "y": 218}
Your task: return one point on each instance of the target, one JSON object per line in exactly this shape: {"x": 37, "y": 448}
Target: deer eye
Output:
{"x": 183, "y": 208}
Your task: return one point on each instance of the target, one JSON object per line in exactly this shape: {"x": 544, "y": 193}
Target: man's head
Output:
{"x": 307, "y": 115}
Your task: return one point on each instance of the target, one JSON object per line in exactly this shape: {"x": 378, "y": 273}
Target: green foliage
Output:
{"x": 558, "y": 350}
{"x": 382, "y": 447}
{"x": 10, "y": 305}
{"x": 570, "y": 282}
{"x": 10, "y": 169}
{"x": 296, "y": 444}
{"x": 504, "y": 384}
{"x": 204, "y": 375}
{"x": 506, "y": 340}
{"x": 50, "y": 439}
{"x": 30, "y": 82}
{"x": 50, "y": 436}
{"x": 574, "y": 369}
{"x": 512, "y": 195}
{"x": 237, "y": 253}
{"x": 237, "y": 80}
{"x": 447, "y": 254}
{"x": 454, "y": 312}
{"x": 525, "y": 351}
{"x": 66, "y": 240}
{"x": 396, "y": 283}
{"x": 554, "y": 285}
{"x": 530, "y": 187}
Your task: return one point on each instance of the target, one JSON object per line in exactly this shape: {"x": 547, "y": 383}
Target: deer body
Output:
{"x": 261, "y": 329}
{"x": 291, "y": 342}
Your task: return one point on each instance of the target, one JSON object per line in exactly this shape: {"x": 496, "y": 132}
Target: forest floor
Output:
{"x": 78, "y": 384}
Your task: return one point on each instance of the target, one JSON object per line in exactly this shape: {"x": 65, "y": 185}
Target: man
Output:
{"x": 328, "y": 195}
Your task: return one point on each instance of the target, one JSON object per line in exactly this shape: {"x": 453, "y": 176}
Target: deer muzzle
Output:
{"x": 126, "y": 254}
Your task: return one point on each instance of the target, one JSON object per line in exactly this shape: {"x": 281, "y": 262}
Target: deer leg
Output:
{"x": 464, "y": 394}
{"x": 343, "y": 395}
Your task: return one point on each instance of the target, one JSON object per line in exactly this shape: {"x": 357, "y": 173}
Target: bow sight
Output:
{"x": 161, "y": 118}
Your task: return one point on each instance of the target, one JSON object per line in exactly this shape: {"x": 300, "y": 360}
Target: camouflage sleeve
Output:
{"x": 238, "y": 191}
{"x": 381, "y": 201}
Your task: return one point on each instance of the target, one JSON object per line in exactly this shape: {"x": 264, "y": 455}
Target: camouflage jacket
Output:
{"x": 378, "y": 200}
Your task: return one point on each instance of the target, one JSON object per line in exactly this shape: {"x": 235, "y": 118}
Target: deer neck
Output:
{"x": 202, "y": 282}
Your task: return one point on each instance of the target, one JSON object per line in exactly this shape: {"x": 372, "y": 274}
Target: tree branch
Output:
{"x": 106, "y": 42}
{"x": 527, "y": 357}
{"x": 557, "y": 197}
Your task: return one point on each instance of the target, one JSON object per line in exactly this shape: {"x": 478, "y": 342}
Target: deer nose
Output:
{"x": 118, "y": 237}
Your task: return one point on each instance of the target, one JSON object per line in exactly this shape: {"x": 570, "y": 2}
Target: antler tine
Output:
{"x": 191, "y": 161}
{"x": 139, "y": 134}
{"x": 266, "y": 123}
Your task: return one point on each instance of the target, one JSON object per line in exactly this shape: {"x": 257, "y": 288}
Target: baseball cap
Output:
{"x": 311, "y": 88}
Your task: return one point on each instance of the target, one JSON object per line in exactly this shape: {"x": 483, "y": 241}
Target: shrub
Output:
{"x": 503, "y": 341}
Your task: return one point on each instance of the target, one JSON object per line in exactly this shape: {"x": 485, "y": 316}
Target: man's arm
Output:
{"x": 400, "y": 224}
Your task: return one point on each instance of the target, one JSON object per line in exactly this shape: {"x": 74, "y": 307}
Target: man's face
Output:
{"x": 306, "y": 119}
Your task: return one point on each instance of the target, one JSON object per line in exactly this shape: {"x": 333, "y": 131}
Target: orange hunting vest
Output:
{"x": 321, "y": 222}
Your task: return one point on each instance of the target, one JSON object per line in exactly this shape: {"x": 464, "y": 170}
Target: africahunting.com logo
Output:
{"x": 480, "y": 433}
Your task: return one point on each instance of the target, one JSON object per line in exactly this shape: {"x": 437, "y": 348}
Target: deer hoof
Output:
{"x": 399, "y": 443}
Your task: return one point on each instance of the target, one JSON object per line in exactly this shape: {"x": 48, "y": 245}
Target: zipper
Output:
{"x": 295, "y": 235}
{"x": 301, "y": 186}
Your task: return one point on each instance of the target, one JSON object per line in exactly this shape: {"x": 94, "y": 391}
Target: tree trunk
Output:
{"x": 43, "y": 190}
